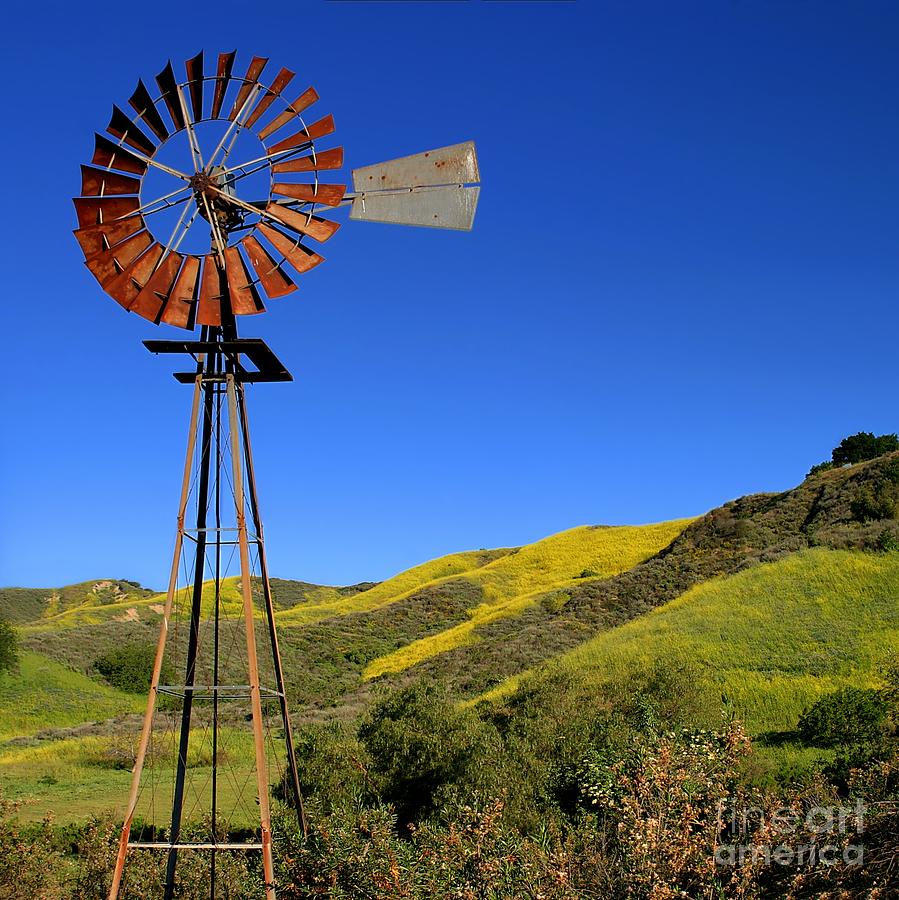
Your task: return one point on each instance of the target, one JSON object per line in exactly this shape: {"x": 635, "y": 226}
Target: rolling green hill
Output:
{"x": 776, "y": 598}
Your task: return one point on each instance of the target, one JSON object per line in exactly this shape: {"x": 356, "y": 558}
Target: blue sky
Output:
{"x": 681, "y": 286}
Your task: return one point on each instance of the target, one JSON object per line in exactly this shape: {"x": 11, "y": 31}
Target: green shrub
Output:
{"x": 130, "y": 667}
{"x": 9, "y": 647}
{"x": 845, "y": 717}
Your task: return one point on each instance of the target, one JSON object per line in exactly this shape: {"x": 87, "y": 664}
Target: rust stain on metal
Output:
{"x": 274, "y": 280}
{"x": 245, "y": 299}
{"x": 303, "y": 102}
{"x": 96, "y": 182}
{"x": 329, "y": 194}
{"x": 301, "y": 258}
{"x": 313, "y": 132}
{"x": 142, "y": 103}
{"x": 326, "y": 159}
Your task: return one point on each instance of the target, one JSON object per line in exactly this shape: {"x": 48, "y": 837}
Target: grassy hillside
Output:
{"x": 44, "y": 694}
{"x": 21, "y": 605}
{"x": 521, "y": 579}
{"x": 771, "y": 639}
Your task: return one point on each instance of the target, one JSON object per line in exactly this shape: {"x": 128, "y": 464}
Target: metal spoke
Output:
{"x": 191, "y": 135}
{"x": 146, "y": 206}
{"x": 236, "y": 122}
{"x": 216, "y": 234}
{"x": 269, "y": 157}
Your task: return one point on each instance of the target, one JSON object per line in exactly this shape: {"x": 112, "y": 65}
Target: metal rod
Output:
{"x": 252, "y": 663}
{"x": 215, "y": 641}
{"x": 160, "y": 649}
{"x": 193, "y": 639}
{"x": 270, "y": 612}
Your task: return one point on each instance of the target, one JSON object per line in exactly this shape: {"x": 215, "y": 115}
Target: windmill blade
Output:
{"x": 245, "y": 299}
{"x": 446, "y": 206}
{"x": 282, "y": 79}
{"x": 150, "y": 301}
{"x": 194, "y": 69}
{"x": 113, "y": 156}
{"x": 301, "y": 258}
{"x": 456, "y": 164}
{"x": 327, "y": 159}
{"x": 125, "y": 286}
{"x": 209, "y": 306}
{"x": 303, "y": 223}
{"x": 303, "y": 102}
{"x": 93, "y": 210}
{"x": 122, "y": 127}
{"x": 329, "y": 194}
{"x": 142, "y": 103}
{"x": 254, "y": 70}
{"x": 274, "y": 280}
{"x": 313, "y": 132}
{"x": 168, "y": 87}
{"x": 94, "y": 238}
{"x": 97, "y": 182}
{"x": 181, "y": 305}
{"x": 105, "y": 264}
{"x": 222, "y": 77}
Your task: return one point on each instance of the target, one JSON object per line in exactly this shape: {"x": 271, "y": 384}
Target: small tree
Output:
{"x": 864, "y": 445}
{"x": 9, "y": 647}
{"x": 847, "y": 716}
{"x": 129, "y": 667}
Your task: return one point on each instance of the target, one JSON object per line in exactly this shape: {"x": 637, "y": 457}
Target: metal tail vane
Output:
{"x": 135, "y": 231}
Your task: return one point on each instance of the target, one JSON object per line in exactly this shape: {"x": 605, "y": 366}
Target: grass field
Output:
{"x": 771, "y": 639}
{"x": 518, "y": 580}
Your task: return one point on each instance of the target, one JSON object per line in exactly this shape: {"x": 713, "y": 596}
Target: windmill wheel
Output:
{"x": 171, "y": 226}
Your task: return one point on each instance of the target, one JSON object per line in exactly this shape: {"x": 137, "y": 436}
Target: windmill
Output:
{"x": 195, "y": 241}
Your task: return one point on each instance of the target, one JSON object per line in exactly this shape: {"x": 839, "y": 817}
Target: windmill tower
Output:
{"x": 161, "y": 175}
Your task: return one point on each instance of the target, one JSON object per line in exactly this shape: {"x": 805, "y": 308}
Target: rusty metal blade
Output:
{"x": 327, "y": 159}
{"x": 304, "y": 223}
{"x": 254, "y": 70}
{"x": 142, "y": 103}
{"x": 303, "y": 102}
{"x": 448, "y": 206}
{"x": 94, "y": 238}
{"x": 282, "y": 79}
{"x": 245, "y": 299}
{"x": 109, "y": 154}
{"x": 457, "y": 164}
{"x": 122, "y": 127}
{"x": 194, "y": 69}
{"x": 125, "y": 286}
{"x": 150, "y": 301}
{"x": 222, "y": 77}
{"x": 107, "y": 263}
{"x": 168, "y": 87}
{"x": 274, "y": 280}
{"x": 313, "y": 132}
{"x": 97, "y": 182}
{"x": 209, "y": 306}
{"x": 301, "y": 258}
{"x": 329, "y": 194}
{"x": 180, "y": 308}
{"x": 91, "y": 210}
